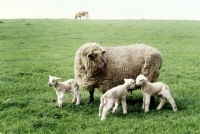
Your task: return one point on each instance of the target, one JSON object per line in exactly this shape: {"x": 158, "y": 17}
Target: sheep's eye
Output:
{"x": 53, "y": 80}
{"x": 92, "y": 56}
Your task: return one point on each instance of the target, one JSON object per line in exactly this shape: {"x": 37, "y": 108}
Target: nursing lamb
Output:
{"x": 158, "y": 89}
{"x": 113, "y": 96}
{"x": 106, "y": 67}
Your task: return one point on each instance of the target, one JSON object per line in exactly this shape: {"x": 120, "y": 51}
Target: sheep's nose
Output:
{"x": 104, "y": 64}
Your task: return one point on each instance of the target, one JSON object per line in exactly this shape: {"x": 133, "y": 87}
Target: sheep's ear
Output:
{"x": 103, "y": 52}
{"x": 49, "y": 76}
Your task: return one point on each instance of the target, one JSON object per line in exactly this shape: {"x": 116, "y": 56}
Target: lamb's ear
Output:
{"x": 58, "y": 78}
{"x": 49, "y": 76}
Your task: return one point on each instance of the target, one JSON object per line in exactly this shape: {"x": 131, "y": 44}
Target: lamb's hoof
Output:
{"x": 102, "y": 119}
{"x": 157, "y": 109}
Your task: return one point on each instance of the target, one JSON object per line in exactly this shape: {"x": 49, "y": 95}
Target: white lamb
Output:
{"x": 113, "y": 96}
{"x": 62, "y": 88}
{"x": 158, "y": 89}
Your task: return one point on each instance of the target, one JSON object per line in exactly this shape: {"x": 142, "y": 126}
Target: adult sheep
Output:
{"x": 106, "y": 67}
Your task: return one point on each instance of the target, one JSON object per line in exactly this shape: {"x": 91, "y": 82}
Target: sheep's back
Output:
{"x": 125, "y": 62}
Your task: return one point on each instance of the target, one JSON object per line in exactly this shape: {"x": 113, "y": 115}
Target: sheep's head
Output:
{"x": 53, "y": 80}
{"x": 141, "y": 80}
{"x": 130, "y": 82}
{"x": 97, "y": 59}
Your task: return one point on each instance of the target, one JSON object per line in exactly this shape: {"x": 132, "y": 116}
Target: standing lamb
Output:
{"x": 113, "y": 96}
{"x": 105, "y": 67}
{"x": 158, "y": 89}
{"x": 62, "y": 88}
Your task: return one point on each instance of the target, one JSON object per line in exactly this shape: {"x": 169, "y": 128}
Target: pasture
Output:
{"x": 30, "y": 50}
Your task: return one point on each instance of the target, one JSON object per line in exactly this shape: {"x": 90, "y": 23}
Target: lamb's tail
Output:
{"x": 103, "y": 99}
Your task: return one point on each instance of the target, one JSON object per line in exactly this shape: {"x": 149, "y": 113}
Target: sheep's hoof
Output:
{"x": 91, "y": 101}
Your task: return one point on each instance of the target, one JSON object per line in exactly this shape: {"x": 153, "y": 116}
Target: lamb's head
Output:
{"x": 53, "y": 80}
{"x": 130, "y": 82}
{"x": 141, "y": 80}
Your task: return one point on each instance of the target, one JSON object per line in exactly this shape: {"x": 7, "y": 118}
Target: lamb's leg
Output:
{"x": 116, "y": 106}
{"x": 57, "y": 93}
{"x": 147, "y": 101}
{"x": 172, "y": 102}
{"x": 91, "y": 96}
{"x": 143, "y": 102}
{"x": 101, "y": 109}
{"x": 78, "y": 98}
{"x": 74, "y": 98}
{"x": 60, "y": 98}
{"x": 124, "y": 105}
{"x": 162, "y": 101}
{"x": 108, "y": 106}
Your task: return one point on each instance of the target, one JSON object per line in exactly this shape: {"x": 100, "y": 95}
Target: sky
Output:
{"x": 101, "y": 9}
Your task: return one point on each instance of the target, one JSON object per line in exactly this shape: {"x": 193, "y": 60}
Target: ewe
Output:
{"x": 106, "y": 67}
{"x": 113, "y": 96}
{"x": 158, "y": 89}
{"x": 62, "y": 88}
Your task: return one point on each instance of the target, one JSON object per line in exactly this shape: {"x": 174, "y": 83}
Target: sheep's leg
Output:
{"x": 116, "y": 106}
{"x": 147, "y": 101}
{"x": 91, "y": 96}
{"x": 162, "y": 101}
{"x": 124, "y": 105}
{"x": 108, "y": 106}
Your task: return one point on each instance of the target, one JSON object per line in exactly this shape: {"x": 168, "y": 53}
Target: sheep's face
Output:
{"x": 53, "y": 80}
{"x": 140, "y": 80}
{"x": 98, "y": 59}
{"x": 131, "y": 83}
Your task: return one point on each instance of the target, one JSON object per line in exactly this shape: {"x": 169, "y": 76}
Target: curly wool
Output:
{"x": 122, "y": 62}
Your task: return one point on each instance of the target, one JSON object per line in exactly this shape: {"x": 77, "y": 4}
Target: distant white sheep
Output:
{"x": 113, "y": 96}
{"x": 62, "y": 88}
{"x": 158, "y": 89}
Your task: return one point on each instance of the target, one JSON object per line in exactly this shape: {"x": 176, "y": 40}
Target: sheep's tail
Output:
{"x": 145, "y": 60}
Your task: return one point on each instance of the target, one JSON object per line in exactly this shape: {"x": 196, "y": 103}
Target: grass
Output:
{"x": 33, "y": 49}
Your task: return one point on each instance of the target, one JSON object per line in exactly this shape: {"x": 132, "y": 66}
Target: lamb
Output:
{"x": 113, "y": 96}
{"x": 105, "y": 67}
{"x": 62, "y": 88}
{"x": 158, "y": 89}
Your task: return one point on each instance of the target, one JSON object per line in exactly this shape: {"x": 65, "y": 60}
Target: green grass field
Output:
{"x": 30, "y": 50}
